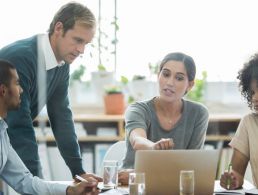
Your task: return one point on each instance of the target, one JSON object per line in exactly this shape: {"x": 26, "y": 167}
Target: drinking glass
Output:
{"x": 187, "y": 182}
{"x": 110, "y": 174}
{"x": 137, "y": 184}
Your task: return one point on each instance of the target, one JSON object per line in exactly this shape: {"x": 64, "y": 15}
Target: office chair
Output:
{"x": 116, "y": 152}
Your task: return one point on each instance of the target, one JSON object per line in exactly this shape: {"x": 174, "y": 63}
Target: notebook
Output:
{"x": 162, "y": 169}
{"x": 248, "y": 188}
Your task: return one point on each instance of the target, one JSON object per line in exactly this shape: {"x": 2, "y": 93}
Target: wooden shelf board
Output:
{"x": 91, "y": 118}
{"x": 85, "y": 139}
{"x": 110, "y": 118}
{"x": 218, "y": 138}
{"x": 225, "y": 118}
{"x": 98, "y": 118}
{"x": 116, "y": 138}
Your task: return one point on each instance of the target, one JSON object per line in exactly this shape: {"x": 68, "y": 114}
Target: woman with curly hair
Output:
{"x": 245, "y": 141}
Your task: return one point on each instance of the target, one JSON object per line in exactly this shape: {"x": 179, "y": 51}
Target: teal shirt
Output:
{"x": 23, "y": 55}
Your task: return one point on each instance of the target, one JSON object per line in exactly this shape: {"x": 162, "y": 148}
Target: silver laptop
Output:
{"x": 162, "y": 169}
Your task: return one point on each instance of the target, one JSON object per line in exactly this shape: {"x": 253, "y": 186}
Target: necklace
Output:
{"x": 164, "y": 116}
{"x": 170, "y": 121}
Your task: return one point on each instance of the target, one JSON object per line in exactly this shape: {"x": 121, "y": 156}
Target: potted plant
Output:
{"x": 114, "y": 100}
{"x": 77, "y": 74}
{"x": 100, "y": 79}
{"x": 197, "y": 92}
{"x": 76, "y": 84}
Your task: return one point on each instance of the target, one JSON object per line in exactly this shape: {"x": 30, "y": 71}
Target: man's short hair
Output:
{"x": 71, "y": 12}
{"x": 5, "y": 73}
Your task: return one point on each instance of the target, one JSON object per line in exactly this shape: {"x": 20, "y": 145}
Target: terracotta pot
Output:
{"x": 114, "y": 103}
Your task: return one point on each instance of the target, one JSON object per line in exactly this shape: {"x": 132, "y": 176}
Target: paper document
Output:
{"x": 252, "y": 191}
{"x": 248, "y": 188}
{"x": 118, "y": 191}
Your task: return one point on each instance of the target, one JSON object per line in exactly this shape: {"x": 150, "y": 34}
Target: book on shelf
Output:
{"x": 106, "y": 131}
{"x": 44, "y": 160}
{"x": 59, "y": 170}
{"x": 79, "y": 130}
{"x": 100, "y": 151}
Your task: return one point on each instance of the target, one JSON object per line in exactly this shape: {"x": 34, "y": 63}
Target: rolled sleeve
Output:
{"x": 135, "y": 117}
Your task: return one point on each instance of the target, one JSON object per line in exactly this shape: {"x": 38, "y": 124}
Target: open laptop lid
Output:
{"x": 162, "y": 169}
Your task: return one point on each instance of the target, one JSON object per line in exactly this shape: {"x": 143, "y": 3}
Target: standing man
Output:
{"x": 71, "y": 29}
{"x": 12, "y": 169}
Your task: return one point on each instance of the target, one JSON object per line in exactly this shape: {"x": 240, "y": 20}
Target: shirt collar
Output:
{"x": 3, "y": 125}
{"x": 46, "y": 50}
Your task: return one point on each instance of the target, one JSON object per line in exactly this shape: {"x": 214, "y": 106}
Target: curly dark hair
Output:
{"x": 246, "y": 75}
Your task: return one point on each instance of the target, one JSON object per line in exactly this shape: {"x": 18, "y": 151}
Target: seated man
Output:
{"x": 12, "y": 169}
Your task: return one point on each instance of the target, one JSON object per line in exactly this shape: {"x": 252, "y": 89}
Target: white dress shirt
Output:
{"x": 15, "y": 173}
{"x": 45, "y": 49}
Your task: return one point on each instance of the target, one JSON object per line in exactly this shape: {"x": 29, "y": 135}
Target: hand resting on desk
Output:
{"x": 90, "y": 177}
{"x": 83, "y": 188}
{"x": 123, "y": 176}
{"x": 87, "y": 186}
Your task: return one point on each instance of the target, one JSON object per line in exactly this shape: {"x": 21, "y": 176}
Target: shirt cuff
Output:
{"x": 60, "y": 188}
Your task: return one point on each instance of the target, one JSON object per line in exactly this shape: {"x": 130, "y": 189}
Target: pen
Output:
{"x": 80, "y": 178}
{"x": 229, "y": 179}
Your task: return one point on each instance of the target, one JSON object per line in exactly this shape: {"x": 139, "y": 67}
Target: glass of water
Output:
{"x": 187, "y": 182}
{"x": 137, "y": 184}
{"x": 110, "y": 174}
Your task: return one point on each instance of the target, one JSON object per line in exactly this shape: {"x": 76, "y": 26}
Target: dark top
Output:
{"x": 23, "y": 55}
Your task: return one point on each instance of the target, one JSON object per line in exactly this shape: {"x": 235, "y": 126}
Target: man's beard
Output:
{"x": 14, "y": 107}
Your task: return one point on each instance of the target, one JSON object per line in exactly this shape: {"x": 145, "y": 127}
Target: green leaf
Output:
{"x": 138, "y": 77}
{"x": 130, "y": 99}
{"x": 196, "y": 94}
{"x": 78, "y": 73}
{"x": 101, "y": 67}
{"x": 124, "y": 80}
{"x": 113, "y": 89}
